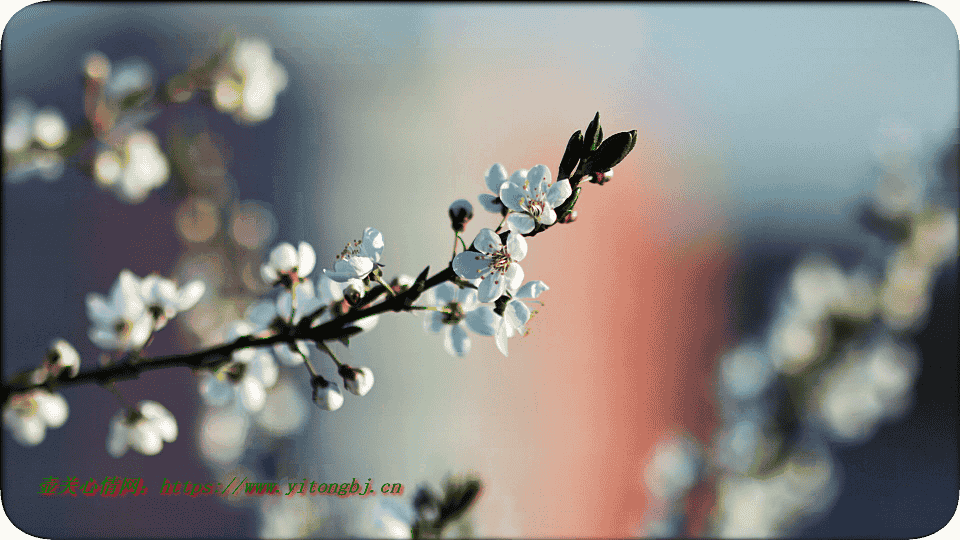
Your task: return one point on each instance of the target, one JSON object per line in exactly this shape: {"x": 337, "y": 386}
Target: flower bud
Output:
{"x": 62, "y": 356}
{"x": 569, "y": 217}
{"x": 327, "y": 394}
{"x": 353, "y": 292}
{"x": 358, "y": 381}
{"x": 461, "y": 212}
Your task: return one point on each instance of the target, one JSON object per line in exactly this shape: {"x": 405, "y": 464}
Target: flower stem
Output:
{"x": 325, "y": 348}
{"x": 385, "y": 286}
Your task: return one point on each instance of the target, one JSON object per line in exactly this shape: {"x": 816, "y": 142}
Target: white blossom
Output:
{"x": 516, "y": 313}
{"x": 495, "y": 178}
{"x": 495, "y": 264}
{"x": 163, "y": 300}
{"x": 28, "y": 415}
{"x": 249, "y": 85}
{"x": 533, "y": 202}
{"x": 358, "y": 381}
{"x": 133, "y": 168}
{"x": 462, "y": 310}
{"x": 145, "y": 430}
{"x": 244, "y": 379}
{"x": 62, "y": 356}
{"x": 327, "y": 395}
{"x": 122, "y": 322}
{"x": 285, "y": 261}
{"x": 359, "y": 258}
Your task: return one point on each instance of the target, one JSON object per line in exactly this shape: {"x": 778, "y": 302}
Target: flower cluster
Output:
{"x": 31, "y": 139}
{"x": 128, "y": 159}
{"x": 247, "y": 85}
{"x": 28, "y": 415}
{"x": 136, "y": 308}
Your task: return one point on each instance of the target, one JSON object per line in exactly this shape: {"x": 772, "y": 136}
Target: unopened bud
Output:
{"x": 353, "y": 292}
{"x": 569, "y": 217}
{"x": 358, "y": 381}
{"x": 326, "y": 394}
{"x": 602, "y": 177}
{"x": 461, "y": 212}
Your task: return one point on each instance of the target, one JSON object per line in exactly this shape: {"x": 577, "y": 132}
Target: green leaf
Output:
{"x": 592, "y": 137}
{"x": 571, "y": 156}
{"x": 611, "y": 152}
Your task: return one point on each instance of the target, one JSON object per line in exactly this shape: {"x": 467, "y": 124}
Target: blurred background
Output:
{"x": 751, "y": 330}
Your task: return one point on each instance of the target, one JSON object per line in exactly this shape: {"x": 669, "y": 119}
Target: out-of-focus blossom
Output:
{"x": 244, "y": 379}
{"x": 288, "y": 517}
{"x": 133, "y": 168}
{"x": 122, "y": 322}
{"x": 249, "y": 85}
{"x": 746, "y": 371}
{"x": 532, "y": 203}
{"x": 287, "y": 263}
{"x": 358, "y": 258}
{"x": 674, "y": 468}
{"x": 495, "y": 264}
{"x": 462, "y": 311}
{"x": 223, "y": 434}
{"x": 28, "y": 415}
{"x": 144, "y": 429}
{"x": 868, "y": 386}
{"x": 285, "y": 411}
{"x": 30, "y": 142}
{"x": 307, "y": 302}
{"x": 62, "y": 356}
{"x": 163, "y": 300}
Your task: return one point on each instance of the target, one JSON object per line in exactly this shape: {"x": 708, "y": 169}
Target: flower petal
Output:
{"x": 470, "y": 264}
{"x": 283, "y": 257}
{"x": 519, "y": 177}
{"x": 456, "y": 341}
{"x": 501, "y": 336}
{"x": 269, "y": 274}
{"x": 372, "y": 245}
{"x": 520, "y": 223}
{"x": 549, "y": 216}
{"x": 496, "y": 176}
{"x": 308, "y": 259}
{"x": 190, "y": 295}
{"x": 558, "y": 193}
{"x": 482, "y": 321}
{"x": 538, "y": 174}
{"x": 52, "y": 408}
{"x": 490, "y": 203}
{"x": 511, "y": 195}
{"x": 433, "y": 322}
{"x": 118, "y": 436}
{"x": 492, "y": 287}
{"x": 100, "y": 313}
{"x": 487, "y": 242}
{"x": 516, "y": 246}
{"x": 444, "y": 293}
{"x": 513, "y": 276}
{"x": 531, "y": 289}
{"x": 517, "y": 314}
{"x": 251, "y": 393}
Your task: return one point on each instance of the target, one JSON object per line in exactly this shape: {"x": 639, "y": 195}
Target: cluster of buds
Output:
{"x": 31, "y": 142}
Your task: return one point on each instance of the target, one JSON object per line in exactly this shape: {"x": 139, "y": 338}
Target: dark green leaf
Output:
{"x": 458, "y": 499}
{"x": 611, "y": 152}
{"x": 591, "y": 137}
{"x": 571, "y": 156}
